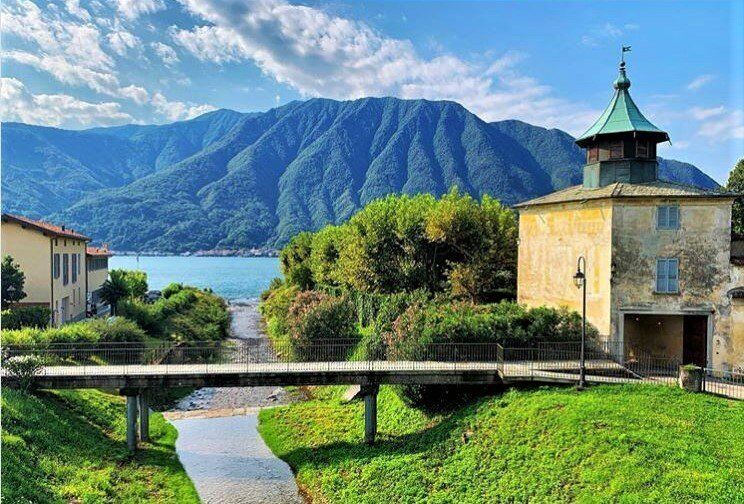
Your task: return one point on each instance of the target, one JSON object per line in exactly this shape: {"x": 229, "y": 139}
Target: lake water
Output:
{"x": 232, "y": 278}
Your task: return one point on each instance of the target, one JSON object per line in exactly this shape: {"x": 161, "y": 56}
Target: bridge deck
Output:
{"x": 140, "y": 376}
{"x": 315, "y": 373}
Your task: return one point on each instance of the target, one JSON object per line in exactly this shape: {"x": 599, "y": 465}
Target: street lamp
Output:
{"x": 580, "y": 281}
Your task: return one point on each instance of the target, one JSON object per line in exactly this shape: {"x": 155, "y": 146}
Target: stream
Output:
{"x": 218, "y": 441}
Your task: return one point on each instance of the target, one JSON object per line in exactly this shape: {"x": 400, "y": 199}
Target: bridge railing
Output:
{"x": 244, "y": 354}
{"x": 605, "y": 361}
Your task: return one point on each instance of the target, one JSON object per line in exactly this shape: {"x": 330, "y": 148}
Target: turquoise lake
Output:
{"x": 230, "y": 277}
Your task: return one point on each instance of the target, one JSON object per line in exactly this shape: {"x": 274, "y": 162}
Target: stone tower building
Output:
{"x": 658, "y": 253}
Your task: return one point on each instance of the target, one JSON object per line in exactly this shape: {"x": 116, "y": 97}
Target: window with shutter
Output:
{"x": 667, "y": 275}
{"x": 667, "y": 217}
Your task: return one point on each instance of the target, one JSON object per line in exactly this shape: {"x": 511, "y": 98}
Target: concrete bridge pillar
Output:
{"x": 131, "y": 422}
{"x": 370, "y": 412}
{"x": 144, "y": 415}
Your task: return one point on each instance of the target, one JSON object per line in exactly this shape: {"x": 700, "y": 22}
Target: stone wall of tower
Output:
{"x": 551, "y": 238}
{"x": 702, "y": 245}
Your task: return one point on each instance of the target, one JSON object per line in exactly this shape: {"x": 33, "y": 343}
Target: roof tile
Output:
{"x": 45, "y": 227}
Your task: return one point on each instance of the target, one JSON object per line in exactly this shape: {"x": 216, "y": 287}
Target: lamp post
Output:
{"x": 580, "y": 281}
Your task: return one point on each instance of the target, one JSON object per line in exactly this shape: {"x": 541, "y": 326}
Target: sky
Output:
{"x": 79, "y": 63}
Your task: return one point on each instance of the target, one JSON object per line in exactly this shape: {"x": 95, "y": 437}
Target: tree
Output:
{"x": 295, "y": 261}
{"x": 13, "y": 281}
{"x": 114, "y": 289}
{"x": 736, "y": 184}
{"x": 136, "y": 281}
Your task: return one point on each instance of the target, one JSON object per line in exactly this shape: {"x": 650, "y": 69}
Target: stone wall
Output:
{"x": 701, "y": 244}
{"x": 551, "y": 238}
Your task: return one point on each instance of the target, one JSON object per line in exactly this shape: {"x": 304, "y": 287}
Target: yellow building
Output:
{"x": 53, "y": 260}
{"x": 659, "y": 269}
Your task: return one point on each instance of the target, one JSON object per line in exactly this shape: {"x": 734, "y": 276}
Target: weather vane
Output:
{"x": 622, "y": 54}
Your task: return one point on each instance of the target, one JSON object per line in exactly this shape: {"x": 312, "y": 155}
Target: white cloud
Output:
{"x": 320, "y": 54}
{"x": 723, "y": 125}
{"x": 66, "y": 71}
{"x": 177, "y": 110}
{"x": 607, "y": 31}
{"x": 68, "y": 50}
{"x": 700, "y": 81}
{"x": 137, "y": 94}
{"x": 55, "y": 109}
{"x": 165, "y": 53}
{"x": 73, "y": 7}
{"x": 121, "y": 41}
{"x": 706, "y": 113}
{"x": 132, "y": 9}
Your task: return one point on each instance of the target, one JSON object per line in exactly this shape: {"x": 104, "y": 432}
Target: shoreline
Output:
{"x": 232, "y": 253}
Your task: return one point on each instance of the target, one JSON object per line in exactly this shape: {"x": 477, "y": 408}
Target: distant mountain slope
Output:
{"x": 231, "y": 180}
{"x": 45, "y": 170}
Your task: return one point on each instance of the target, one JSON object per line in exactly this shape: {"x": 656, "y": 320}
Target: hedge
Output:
{"x": 87, "y": 331}
{"x": 25, "y": 316}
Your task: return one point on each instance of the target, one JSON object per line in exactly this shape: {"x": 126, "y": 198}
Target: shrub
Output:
{"x": 69, "y": 333}
{"x": 315, "y": 316}
{"x": 206, "y": 319}
{"x": 116, "y": 329}
{"x": 186, "y": 314}
{"x": 144, "y": 315}
{"x": 26, "y": 316}
{"x": 172, "y": 288}
{"x": 275, "y": 309}
{"x": 24, "y": 368}
{"x": 507, "y": 323}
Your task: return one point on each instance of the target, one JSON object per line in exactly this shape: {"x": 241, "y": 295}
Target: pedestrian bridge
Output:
{"x": 136, "y": 368}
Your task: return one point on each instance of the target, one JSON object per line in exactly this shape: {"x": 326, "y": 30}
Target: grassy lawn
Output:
{"x": 606, "y": 444}
{"x": 69, "y": 446}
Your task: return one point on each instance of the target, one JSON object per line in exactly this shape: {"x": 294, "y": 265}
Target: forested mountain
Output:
{"x": 232, "y": 180}
{"x": 45, "y": 170}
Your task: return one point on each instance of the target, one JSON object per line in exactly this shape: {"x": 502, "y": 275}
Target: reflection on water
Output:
{"x": 229, "y": 462}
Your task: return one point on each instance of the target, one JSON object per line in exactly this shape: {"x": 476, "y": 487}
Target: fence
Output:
{"x": 723, "y": 383}
{"x": 605, "y": 361}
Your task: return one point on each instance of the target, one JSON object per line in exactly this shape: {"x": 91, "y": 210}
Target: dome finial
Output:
{"x": 622, "y": 81}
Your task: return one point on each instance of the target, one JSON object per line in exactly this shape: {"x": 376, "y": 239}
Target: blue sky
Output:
{"x": 80, "y": 63}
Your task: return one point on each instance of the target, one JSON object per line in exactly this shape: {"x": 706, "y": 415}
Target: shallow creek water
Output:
{"x": 218, "y": 442}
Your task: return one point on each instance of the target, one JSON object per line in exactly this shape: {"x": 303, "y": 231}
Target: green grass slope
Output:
{"x": 69, "y": 446}
{"x": 607, "y": 444}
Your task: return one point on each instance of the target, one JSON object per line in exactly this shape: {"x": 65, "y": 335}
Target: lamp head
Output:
{"x": 579, "y": 278}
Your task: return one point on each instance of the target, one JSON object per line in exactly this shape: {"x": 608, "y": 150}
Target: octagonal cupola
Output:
{"x": 621, "y": 144}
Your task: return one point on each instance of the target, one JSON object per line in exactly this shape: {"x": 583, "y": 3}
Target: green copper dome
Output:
{"x": 621, "y": 116}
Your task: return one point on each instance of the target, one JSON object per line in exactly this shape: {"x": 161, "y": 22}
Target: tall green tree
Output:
{"x": 736, "y": 184}
{"x": 13, "y": 282}
{"x": 404, "y": 243}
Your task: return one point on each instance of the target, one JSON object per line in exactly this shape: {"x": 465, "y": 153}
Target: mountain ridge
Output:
{"x": 231, "y": 180}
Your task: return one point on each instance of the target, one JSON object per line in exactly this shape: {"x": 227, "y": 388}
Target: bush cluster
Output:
{"x": 90, "y": 331}
{"x": 25, "y": 316}
{"x": 183, "y": 313}
{"x": 420, "y": 329}
{"x": 315, "y": 316}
